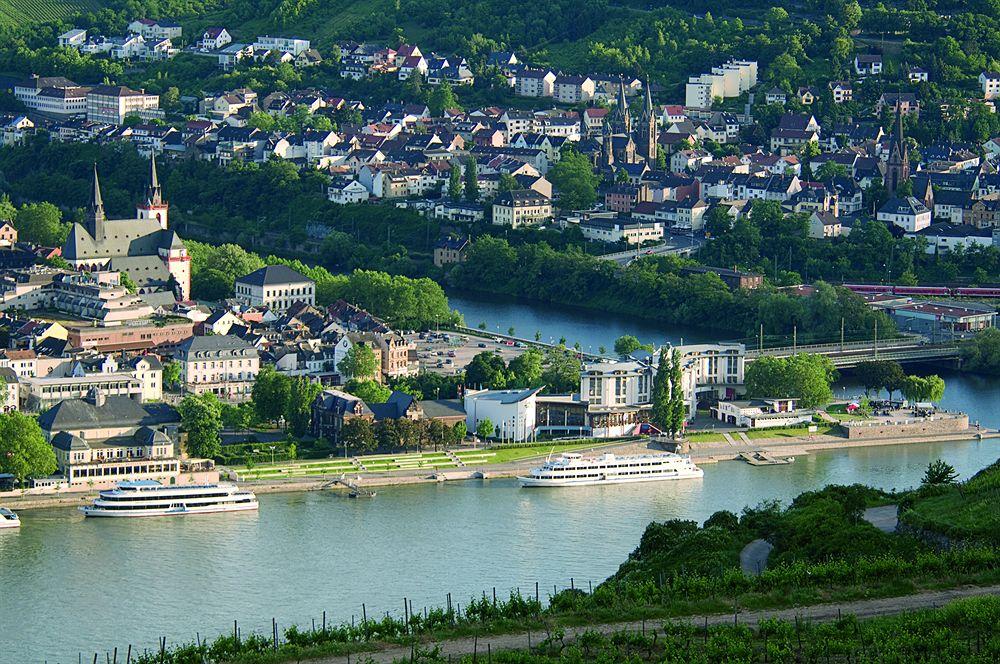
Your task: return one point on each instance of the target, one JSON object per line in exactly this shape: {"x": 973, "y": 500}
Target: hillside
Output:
{"x": 967, "y": 511}
{"x": 27, "y": 12}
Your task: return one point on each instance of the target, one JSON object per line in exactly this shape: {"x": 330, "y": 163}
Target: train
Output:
{"x": 925, "y": 291}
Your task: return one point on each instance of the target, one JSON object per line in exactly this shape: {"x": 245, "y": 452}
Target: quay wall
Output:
{"x": 924, "y": 426}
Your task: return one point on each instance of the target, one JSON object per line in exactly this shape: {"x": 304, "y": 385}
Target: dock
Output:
{"x": 353, "y": 490}
{"x": 760, "y": 458}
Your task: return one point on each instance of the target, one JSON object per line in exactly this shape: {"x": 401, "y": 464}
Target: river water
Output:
{"x": 70, "y": 586}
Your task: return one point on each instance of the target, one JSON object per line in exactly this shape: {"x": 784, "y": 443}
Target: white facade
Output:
{"x": 112, "y": 104}
{"x": 284, "y": 44}
{"x": 511, "y": 412}
{"x": 276, "y": 287}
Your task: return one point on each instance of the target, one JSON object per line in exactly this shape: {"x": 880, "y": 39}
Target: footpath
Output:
{"x": 870, "y": 608}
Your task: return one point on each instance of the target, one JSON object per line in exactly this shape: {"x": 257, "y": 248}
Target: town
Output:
{"x": 263, "y": 264}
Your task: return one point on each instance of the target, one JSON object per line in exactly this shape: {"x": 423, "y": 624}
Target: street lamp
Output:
{"x": 272, "y": 454}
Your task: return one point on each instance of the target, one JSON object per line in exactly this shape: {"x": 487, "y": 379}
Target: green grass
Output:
{"x": 790, "y": 432}
{"x": 967, "y": 511}
{"x": 506, "y": 455}
{"x": 705, "y": 437}
{"x": 25, "y": 12}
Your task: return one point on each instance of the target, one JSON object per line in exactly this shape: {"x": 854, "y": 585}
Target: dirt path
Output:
{"x": 884, "y": 518}
{"x": 820, "y": 612}
{"x": 753, "y": 557}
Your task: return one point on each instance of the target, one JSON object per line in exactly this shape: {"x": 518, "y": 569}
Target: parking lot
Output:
{"x": 448, "y": 353}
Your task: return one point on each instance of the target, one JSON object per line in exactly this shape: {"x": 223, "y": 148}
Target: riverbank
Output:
{"x": 701, "y": 453}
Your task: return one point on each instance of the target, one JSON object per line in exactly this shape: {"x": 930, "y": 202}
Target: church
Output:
{"x": 628, "y": 140}
{"x": 152, "y": 255}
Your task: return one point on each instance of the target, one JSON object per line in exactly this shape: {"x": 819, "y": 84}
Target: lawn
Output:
{"x": 508, "y": 454}
{"x": 790, "y": 432}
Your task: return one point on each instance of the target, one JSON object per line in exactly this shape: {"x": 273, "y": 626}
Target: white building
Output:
{"x": 74, "y": 38}
{"x": 52, "y": 95}
{"x": 730, "y": 80}
{"x": 990, "y": 83}
{"x": 511, "y": 412}
{"x": 276, "y": 287}
{"x": 291, "y": 45}
{"x": 214, "y": 38}
{"x": 344, "y": 193}
{"x": 155, "y": 29}
{"x": 761, "y": 413}
{"x": 112, "y": 103}
{"x": 908, "y": 213}
{"x": 226, "y": 366}
{"x": 630, "y": 231}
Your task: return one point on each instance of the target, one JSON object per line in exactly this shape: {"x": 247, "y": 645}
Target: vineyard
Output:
{"x": 26, "y": 12}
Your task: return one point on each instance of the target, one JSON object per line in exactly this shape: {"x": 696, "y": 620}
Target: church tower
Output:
{"x": 897, "y": 168}
{"x": 153, "y": 207}
{"x": 646, "y": 130}
{"x": 621, "y": 120}
{"x": 607, "y": 146}
{"x": 95, "y": 212}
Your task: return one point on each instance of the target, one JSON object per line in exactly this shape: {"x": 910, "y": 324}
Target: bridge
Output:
{"x": 848, "y": 355}
{"x": 680, "y": 245}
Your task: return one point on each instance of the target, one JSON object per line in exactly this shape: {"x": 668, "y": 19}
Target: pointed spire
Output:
{"x": 154, "y": 195}
{"x": 649, "y": 98}
{"x": 622, "y": 102}
{"x": 96, "y": 204}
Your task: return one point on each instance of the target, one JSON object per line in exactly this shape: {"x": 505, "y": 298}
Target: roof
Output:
{"x": 908, "y": 205}
{"x": 273, "y": 275}
{"x": 521, "y": 197}
{"x": 213, "y": 346}
{"x": 506, "y": 396}
{"x": 76, "y": 414}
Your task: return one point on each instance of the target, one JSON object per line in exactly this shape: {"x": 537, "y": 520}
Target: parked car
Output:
{"x": 482, "y": 344}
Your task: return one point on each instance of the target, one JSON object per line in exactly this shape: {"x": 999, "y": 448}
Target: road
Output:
{"x": 674, "y": 244}
{"x": 818, "y": 613}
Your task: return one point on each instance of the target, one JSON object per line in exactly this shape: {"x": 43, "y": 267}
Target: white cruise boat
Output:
{"x": 8, "y": 519}
{"x": 150, "y": 498}
{"x": 573, "y": 469}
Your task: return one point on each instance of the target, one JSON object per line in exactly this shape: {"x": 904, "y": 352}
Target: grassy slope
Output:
{"x": 971, "y": 510}
{"x": 21, "y": 12}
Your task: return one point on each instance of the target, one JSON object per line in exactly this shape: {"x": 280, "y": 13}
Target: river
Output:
{"x": 70, "y": 586}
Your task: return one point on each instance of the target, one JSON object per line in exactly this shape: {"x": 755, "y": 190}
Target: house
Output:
{"x": 734, "y": 279}
{"x": 291, "y": 45}
{"x": 842, "y": 91}
{"x": 100, "y": 440}
{"x": 345, "y": 192}
{"x": 775, "y": 96}
{"x": 868, "y": 64}
{"x": 331, "y": 409}
{"x": 905, "y": 102}
{"x": 989, "y": 81}
{"x": 521, "y": 207}
{"x": 535, "y": 83}
{"x": 214, "y": 38}
{"x": 8, "y": 234}
{"x": 510, "y": 412}
{"x": 933, "y": 318}
{"x": 276, "y": 287}
{"x": 53, "y": 96}
{"x": 74, "y": 38}
{"x": 943, "y": 237}
{"x": 761, "y": 413}
{"x": 807, "y": 95}
{"x": 233, "y": 53}
{"x": 824, "y": 225}
{"x": 793, "y": 132}
{"x": 907, "y": 213}
{"x": 629, "y": 231}
{"x": 573, "y": 89}
{"x": 113, "y": 103}
{"x": 226, "y": 366}
{"x": 155, "y": 29}
{"x": 917, "y": 75}
{"x": 450, "y": 250}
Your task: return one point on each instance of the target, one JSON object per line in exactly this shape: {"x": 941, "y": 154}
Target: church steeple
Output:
{"x": 646, "y": 131}
{"x": 897, "y": 169}
{"x": 153, "y": 207}
{"x": 154, "y": 195}
{"x": 95, "y": 213}
{"x": 621, "y": 121}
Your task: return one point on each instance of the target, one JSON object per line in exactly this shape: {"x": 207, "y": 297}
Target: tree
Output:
{"x": 507, "y": 182}
{"x": 485, "y": 428}
{"x": 806, "y": 377}
{"x": 442, "y": 99}
{"x": 526, "y": 369}
{"x": 922, "y": 388}
{"x": 893, "y": 378}
{"x": 359, "y": 363}
{"x": 171, "y": 374}
{"x": 298, "y": 411}
{"x": 487, "y": 370}
{"x": 24, "y": 452}
{"x": 574, "y": 179}
{"x": 126, "y": 281}
{"x": 471, "y": 180}
{"x": 358, "y": 434}
{"x": 201, "y": 418}
{"x": 271, "y": 392}
{"x": 628, "y": 344}
{"x": 562, "y": 371}
{"x": 875, "y": 374}
{"x": 41, "y": 223}
{"x": 7, "y": 210}
{"x": 455, "y": 183}
{"x": 458, "y": 433}
{"x": 939, "y": 473}
{"x": 661, "y": 410}
{"x": 368, "y": 391}
{"x": 983, "y": 352}
{"x": 675, "y": 423}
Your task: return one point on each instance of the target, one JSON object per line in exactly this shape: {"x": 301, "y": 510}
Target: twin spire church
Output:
{"x": 153, "y": 255}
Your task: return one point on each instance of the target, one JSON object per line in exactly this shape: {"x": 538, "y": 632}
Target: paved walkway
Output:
{"x": 753, "y": 557}
{"x": 819, "y": 613}
{"x": 884, "y": 518}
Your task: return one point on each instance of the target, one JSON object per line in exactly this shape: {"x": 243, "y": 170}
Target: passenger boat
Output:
{"x": 8, "y": 519}
{"x": 150, "y": 498}
{"x": 572, "y": 469}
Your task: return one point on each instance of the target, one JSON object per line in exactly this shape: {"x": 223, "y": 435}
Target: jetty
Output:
{"x": 761, "y": 458}
{"x": 354, "y": 490}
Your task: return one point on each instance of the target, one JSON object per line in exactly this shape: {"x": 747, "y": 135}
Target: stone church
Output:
{"x": 144, "y": 247}
{"x": 628, "y": 140}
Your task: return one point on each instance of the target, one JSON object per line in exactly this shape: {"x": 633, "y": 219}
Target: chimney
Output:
{"x": 96, "y": 397}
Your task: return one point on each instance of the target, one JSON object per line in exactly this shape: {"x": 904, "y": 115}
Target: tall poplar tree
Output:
{"x": 661, "y": 394}
{"x": 676, "y": 423}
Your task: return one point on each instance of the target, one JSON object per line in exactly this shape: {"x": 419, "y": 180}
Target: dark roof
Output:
{"x": 72, "y": 414}
{"x": 214, "y": 346}
{"x": 273, "y": 275}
